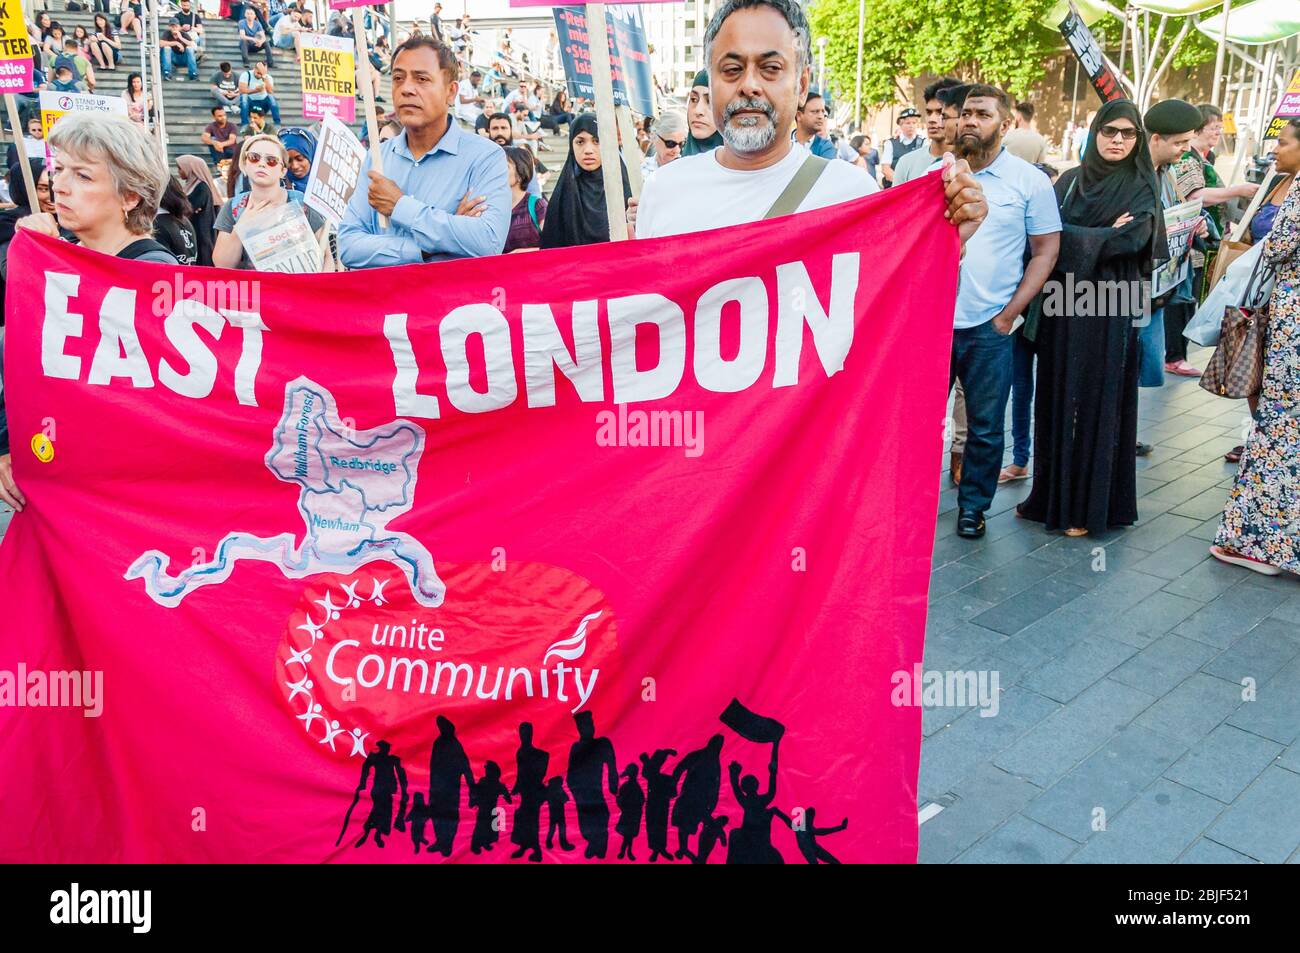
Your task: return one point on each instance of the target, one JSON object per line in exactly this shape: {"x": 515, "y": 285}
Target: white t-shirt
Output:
{"x": 468, "y": 112}
{"x": 696, "y": 193}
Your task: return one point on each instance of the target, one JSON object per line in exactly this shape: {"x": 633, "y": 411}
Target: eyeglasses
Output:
{"x": 258, "y": 158}
{"x": 1127, "y": 133}
{"x": 672, "y": 143}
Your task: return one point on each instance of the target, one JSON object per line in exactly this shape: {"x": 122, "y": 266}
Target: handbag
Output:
{"x": 1237, "y": 368}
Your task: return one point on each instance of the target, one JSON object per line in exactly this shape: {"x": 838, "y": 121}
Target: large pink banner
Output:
{"x": 620, "y": 544}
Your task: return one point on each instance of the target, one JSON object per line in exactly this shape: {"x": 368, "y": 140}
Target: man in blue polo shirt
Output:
{"x": 995, "y": 288}
{"x": 444, "y": 190}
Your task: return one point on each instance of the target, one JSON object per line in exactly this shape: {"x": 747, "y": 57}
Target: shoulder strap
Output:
{"x": 532, "y": 209}
{"x": 793, "y": 195}
{"x": 142, "y": 246}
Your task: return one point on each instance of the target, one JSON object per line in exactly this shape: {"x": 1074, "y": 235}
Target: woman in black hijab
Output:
{"x": 23, "y": 206}
{"x": 1085, "y": 410}
{"x": 576, "y": 214}
{"x": 702, "y": 133}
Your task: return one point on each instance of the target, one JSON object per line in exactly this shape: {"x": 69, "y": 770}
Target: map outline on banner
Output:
{"x": 319, "y": 551}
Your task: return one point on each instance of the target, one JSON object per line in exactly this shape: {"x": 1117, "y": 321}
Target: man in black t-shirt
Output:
{"x": 192, "y": 25}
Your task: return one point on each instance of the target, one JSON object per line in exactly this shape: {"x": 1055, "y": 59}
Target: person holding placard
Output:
{"x": 264, "y": 161}
{"x": 443, "y": 189}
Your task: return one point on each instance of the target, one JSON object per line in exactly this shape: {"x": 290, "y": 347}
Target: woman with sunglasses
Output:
{"x": 264, "y": 161}
{"x": 1085, "y": 410}
{"x": 667, "y": 136}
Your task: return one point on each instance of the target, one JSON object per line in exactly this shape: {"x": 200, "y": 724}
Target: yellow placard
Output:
{"x": 15, "y": 49}
{"x": 328, "y": 70}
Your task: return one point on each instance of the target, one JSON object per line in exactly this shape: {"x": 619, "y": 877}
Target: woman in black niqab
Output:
{"x": 1085, "y": 407}
{"x": 576, "y": 212}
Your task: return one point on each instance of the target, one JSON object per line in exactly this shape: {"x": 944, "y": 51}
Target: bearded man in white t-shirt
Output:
{"x": 759, "y": 63}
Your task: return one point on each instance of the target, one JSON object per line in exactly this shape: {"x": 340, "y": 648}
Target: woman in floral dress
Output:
{"x": 1261, "y": 520}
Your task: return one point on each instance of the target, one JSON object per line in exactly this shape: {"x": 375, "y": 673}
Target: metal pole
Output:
{"x": 1217, "y": 97}
{"x": 857, "y": 95}
{"x": 602, "y": 84}
{"x": 155, "y": 70}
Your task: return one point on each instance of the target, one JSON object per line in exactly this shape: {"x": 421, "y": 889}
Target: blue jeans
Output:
{"x": 169, "y": 55}
{"x": 981, "y": 360}
{"x": 1022, "y": 398}
{"x": 1151, "y": 351}
{"x": 266, "y": 101}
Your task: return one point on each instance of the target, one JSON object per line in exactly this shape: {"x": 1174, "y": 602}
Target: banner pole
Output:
{"x": 368, "y": 96}
{"x": 602, "y": 82}
{"x": 11, "y": 105}
{"x": 628, "y": 131}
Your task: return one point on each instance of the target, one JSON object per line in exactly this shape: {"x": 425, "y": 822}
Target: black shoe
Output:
{"x": 970, "y": 524}
{"x": 1144, "y": 449}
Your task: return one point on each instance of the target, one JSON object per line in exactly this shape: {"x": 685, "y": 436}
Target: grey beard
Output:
{"x": 752, "y": 137}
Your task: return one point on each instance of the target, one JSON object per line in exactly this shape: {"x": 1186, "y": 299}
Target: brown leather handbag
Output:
{"x": 1237, "y": 368}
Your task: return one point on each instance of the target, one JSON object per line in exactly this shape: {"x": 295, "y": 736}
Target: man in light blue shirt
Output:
{"x": 444, "y": 190}
{"x": 995, "y": 288}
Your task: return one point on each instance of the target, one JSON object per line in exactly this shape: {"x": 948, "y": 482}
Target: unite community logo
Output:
{"x": 99, "y": 907}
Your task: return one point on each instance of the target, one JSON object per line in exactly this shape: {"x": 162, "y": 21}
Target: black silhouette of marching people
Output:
{"x": 650, "y": 794}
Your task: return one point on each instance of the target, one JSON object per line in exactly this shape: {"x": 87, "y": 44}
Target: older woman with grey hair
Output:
{"x": 108, "y": 180}
{"x": 667, "y": 136}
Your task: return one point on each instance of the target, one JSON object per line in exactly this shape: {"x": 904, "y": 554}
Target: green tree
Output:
{"x": 995, "y": 41}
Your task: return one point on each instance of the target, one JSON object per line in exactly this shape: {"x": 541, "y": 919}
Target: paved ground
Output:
{"x": 1121, "y": 679}
{"x": 1122, "y": 734}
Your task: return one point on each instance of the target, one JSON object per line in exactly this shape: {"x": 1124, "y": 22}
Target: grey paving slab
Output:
{"x": 1092, "y": 568}
{"x": 1020, "y": 841}
{"x": 1156, "y": 828}
{"x": 1208, "y": 580}
{"x": 1005, "y": 581}
{"x": 1158, "y": 532}
{"x": 1204, "y": 505}
{"x": 1224, "y": 762}
{"x": 1164, "y": 664}
{"x": 1082, "y": 664}
{"x": 1288, "y": 610}
{"x": 951, "y": 610}
{"x": 951, "y": 577}
{"x": 957, "y": 751}
{"x": 1193, "y": 709}
{"x": 1169, "y": 470}
{"x": 1231, "y": 615}
{"x": 1206, "y": 851}
{"x": 1193, "y": 436}
{"x": 952, "y": 648}
{"x": 1063, "y": 739}
{"x": 1258, "y": 654}
{"x": 1013, "y": 614}
{"x": 1275, "y": 712}
{"x": 1175, "y": 558}
{"x": 1151, "y": 618}
{"x": 1012, "y": 659}
{"x": 1099, "y": 787}
{"x": 983, "y": 801}
{"x": 999, "y": 552}
{"x": 1206, "y": 530}
{"x": 1264, "y": 823}
{"x": 1212, "y": 451}
{"x": 1291, "y": 759}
